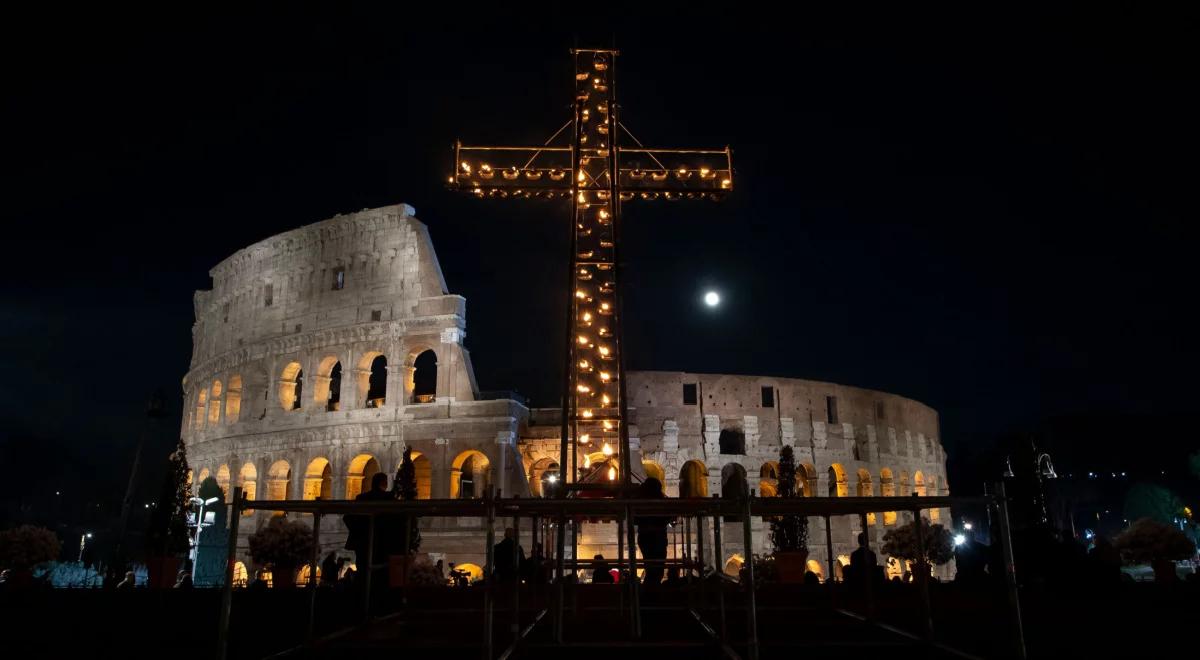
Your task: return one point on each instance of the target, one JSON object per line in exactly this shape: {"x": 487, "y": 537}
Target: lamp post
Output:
{"x": 83, "y": 538}
{"x": 200, "y": 522}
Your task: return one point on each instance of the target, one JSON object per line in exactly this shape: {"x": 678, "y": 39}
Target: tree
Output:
{"x": 902, "y": 542}
{"x": 789, "y": 533}
{"x": 22, "y": 548}
{"x": 168, "y": 534}
{"x": 1152, "y": 501}
{"x": 282, "y": 545}
{"x": 405, "y": 488}
{"x": 1149, "y": 541}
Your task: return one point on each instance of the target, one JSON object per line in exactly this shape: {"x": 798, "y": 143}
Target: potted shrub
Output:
{"x": 22, "y": 548}
{"x": 282, "y": 545}
{"x": 1156, "y": 543}
{"x": 789, "y": 533}
{"x": 404, "y": 487}
{"x": 902, "y": 544}
{"x": 167, "y": 535}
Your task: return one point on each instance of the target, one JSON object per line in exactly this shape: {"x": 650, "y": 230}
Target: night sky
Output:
{"x": 993, "y": 214}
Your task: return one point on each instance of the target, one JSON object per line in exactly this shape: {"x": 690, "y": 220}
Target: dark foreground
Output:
{"x": 448, "y": 623}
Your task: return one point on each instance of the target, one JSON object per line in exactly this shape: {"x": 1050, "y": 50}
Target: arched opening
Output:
{"x": 654, "y": 470}
{"x": 240, "y": 575}
{"x": 223, "y": 482}
{"x": 733, "y": 485}
{"x": 291, "y": 386}
{"x": 424, "y": 378}
{"x": 864, "y": 488}
{"x": 248, "y": 480}
{"x": 931, "y": 488}
{"x": 905, "y": 491}
{"x": 814, "y": 566}
{"x": 543, "y": 477}
{"x": 474, "y": 572}
{"x": 842, "y": 562}
{"x": 327, "y": 392}
{"x": 732, "y": 442}
{"x": 204, "y": 474}
{"x": 887, "y": 488}
{"x": 768, "y": 479}
{"x": 201, "y": 409}
{"x": 358, "y": 477}
{"x": 423, "y": 471}
{"x": 919, "y": 484}
{"x": 837, "y": 481}
{"x": 318, "y": 480}
{"x": 806, "y": 479}
{"x": 693, "y": 480}
{"x": 377, "y": 382}
{"x": 470, "y": 474}
{"x": 279, "y": 478}
{"x": 214, "y": 403}
{"x": 733, "y": 566}
{"x": 303, "y": 574}
{"x": 233, "y": 400}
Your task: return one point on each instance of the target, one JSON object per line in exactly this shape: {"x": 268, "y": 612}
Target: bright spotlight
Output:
{"x": 959, "y": 539}
{"x": 712, "y": 299}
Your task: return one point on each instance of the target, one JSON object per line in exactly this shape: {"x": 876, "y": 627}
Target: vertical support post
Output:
{"x": 718, "y": 561}
{"x": 369, "y": 568}
{"x": 235, "y": 516}
{"x": 751, "y": 607}
{"x": 515, "y": 626}
{"x": 700, "y": 529}
{"x": 869, "y": 579}
{"x": 829, "y": 548}
{"x": 621, "y": 563}
{"x": 489, "y": 572}
{"x": 1010, "y": 573}
{"x": 635, "y": 601}
{"x": 923, "y": 577}
{"x": 312, "y": 575}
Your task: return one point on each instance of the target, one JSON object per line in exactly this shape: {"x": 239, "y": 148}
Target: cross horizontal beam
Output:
{"x": 544, "y": 171}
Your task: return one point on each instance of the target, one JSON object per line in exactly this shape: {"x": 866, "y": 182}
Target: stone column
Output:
{"x": 712, "y": 435}
{"x": 750, "y": 429}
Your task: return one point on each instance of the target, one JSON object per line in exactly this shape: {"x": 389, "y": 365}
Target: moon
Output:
{"x": 712, "y": 299}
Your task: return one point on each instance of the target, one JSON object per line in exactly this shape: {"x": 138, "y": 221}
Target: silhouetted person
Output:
{"x": 258, "y": 582}
{"x": 359, "y": 525}
{"x": 504, "y": 567}
{"x": 1105, "y": 561}
{"x": 602, "y": 571}
{"x": 862, "y": 561}
{"x": 330, "y": 567}
{"x": 811, "y": 579}
{"x": 183, "y": 580}
{"x": 128, "y": 583}
{"x": 652, "y": 534}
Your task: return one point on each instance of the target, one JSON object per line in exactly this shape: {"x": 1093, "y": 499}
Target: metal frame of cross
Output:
{"x": 597, "y": 174}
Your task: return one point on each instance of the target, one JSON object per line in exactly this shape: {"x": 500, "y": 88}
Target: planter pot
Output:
{"x": 161, "y": 572}
{"x": 791, "y": 566}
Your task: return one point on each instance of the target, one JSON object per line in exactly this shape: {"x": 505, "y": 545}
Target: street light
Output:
{"x": 201, "y": 521}
{"x": 959, "y": 539}
{"x": 83, "y": 538}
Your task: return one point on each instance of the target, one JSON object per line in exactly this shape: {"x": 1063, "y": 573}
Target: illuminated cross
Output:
{"x": 597, "y": 175}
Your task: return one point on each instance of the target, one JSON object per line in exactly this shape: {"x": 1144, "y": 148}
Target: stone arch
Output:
{"x": 318, "y": 480}
{"x": 304, "y": 572}
{"x": 327, "y": 391}
{"x": 905, "y": 491}
{"x": 423, "y": 470}
{"x": 201, "y": 409}
{"x": 652, "y": 469}
{"x": 204, "y": 474}
{"x": 865, "y": 488}
{"x": 372, "y": 379}
{"x": 358, "y": 476}
{"x": 424, "y": 376}
{"x": 470, "y": 474}
{"x": 806, "y": 479}
{"x": 733, "y": 485}
{"x": 768, "y": 479}
{"x": 214, "y": 403}
{"x": 732, "y": 441}
{"x": 291, "y": 386}
{"x": 931, "y": 489}
{"x": 248, "y": 480}
{"x": 733, "y": 565}
{"x": 233, "y": 399}
{"x": 473, "y": 571}
{"x": 279, "y": 478}
{"x": 887, "y": 488}
{"x": 838, "y": 487}
{"x": 814, "y": 566}
{"x": 693, "y": 479}
{"x": 223, "y": 481}
{"x": 919, "y": 484}
{"x": 543, "y": 475}
{"x": 240, "y": 575}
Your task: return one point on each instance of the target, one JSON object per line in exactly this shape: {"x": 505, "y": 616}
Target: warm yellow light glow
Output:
{"x": 583, "y": 339}
{"x": 587, "y": 316}
{"x": 704, "y": 172}
{"x": 587, "y": 414}
{"x": 582, "y": 198}
{"x": 466, "y": 167}
{"x": 604, "y": 306}
{"x": 605, "y": 399}
{"x": 605, "y": 376}
{"x": 583, "y": 364}
{"x": 604, "y": 351}
{"x": 581, "y": 176}
{"x": 485, "y": 168}
{"x": 583, "y": 389}
{"x": 580, "y": 294}
{"x": 585, "y": 438}
{"x": 608, "y": 425}
{"x": 587, "y": 462}
{"x": 612, "y": 474}
{"x": 603, "y": 214}
{"x": 725, "y": 183}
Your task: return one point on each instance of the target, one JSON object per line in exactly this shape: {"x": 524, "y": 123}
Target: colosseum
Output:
{"x": 322, "y": 353}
